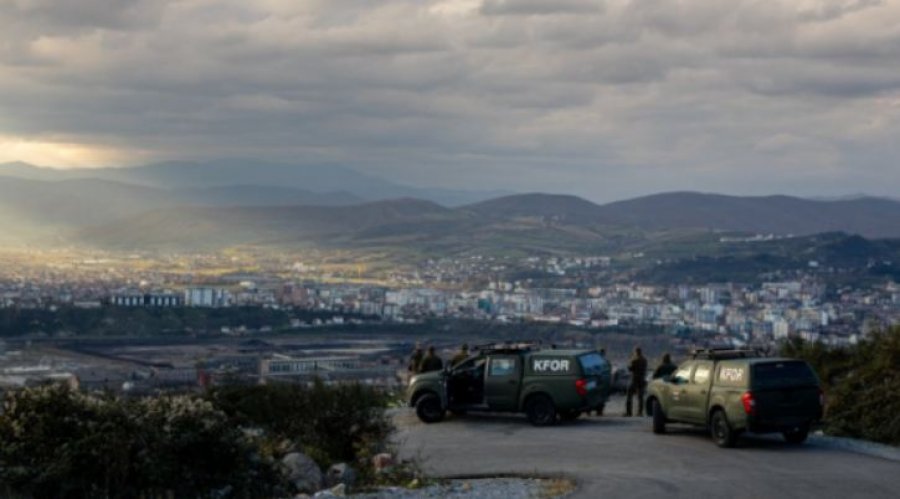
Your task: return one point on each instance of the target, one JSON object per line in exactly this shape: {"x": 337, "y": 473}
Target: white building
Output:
{"x": 207, "y": 297}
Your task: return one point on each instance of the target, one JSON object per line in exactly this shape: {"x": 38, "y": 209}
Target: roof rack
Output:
{"x": 509, "y": 346}
{"x": 724, "y": 353}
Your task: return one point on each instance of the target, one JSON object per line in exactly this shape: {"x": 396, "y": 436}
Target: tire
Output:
{"x": 540, "y": 410}
{"x": 569, "y": 415}
{"x": 796, "y": 436}
{"x": 721, "y": 431}
{"x": 659, "y": 417}
{"x": 429, "y": 409}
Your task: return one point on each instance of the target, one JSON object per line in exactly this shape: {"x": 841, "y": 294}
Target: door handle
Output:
{"x": 511, "y": 382}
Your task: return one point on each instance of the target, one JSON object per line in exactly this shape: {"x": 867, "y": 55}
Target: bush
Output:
{"x": 57, "y": 443}
{"x": 862, "y": 384}
{"x": 341, "y": 423}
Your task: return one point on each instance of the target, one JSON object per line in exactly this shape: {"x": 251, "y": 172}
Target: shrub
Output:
{"x": 59, "y": 443}
{"x": 63, "y": 444}
{"x": 339, "y": 423}
{"x": 862, "y": 384}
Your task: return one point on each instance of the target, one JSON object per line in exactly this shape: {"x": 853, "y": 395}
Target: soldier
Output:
{"x": 415, "y": 360}
{"x": 599, "y": 408}
{"x": 637, "y": 366}
{"x": 462, "y": 355}
{"x": 666, "y": 368}
{"x": 431, "y": 362}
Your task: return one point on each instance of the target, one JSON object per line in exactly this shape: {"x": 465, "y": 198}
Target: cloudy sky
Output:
{"x": 601, "y": 98}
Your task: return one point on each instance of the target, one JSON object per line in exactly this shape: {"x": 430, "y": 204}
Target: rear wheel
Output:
{"x": 797, "y": 435}
{"x": 659, "y": 417}
{"x": 429, "y": 408}
{"x": 540, "y": 410}
{"x": 721, "y": 431}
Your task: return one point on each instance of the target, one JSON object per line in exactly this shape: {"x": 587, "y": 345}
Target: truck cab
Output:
{"x": 736, "y": 391}
{"x": 546, "y": 384}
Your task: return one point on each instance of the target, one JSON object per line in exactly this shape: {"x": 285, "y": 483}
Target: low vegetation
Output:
{"x": 329, "y": 423}
{"x": 862, "y": 385}
{"x": 61, "y": 443}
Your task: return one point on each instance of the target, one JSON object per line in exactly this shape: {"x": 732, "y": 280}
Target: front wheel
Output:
{"x": 540, "y": 410}
{"x": 796, "y": 436}
{"x": 429, "y": 408}
{"x": 659, "y": 417}
{"x": 721, "y": 431}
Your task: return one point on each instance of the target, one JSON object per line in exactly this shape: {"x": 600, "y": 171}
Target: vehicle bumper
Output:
{"x": 780, "y": 424}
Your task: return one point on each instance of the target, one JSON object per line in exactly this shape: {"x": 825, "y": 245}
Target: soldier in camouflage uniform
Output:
{"x": 637, "y": 366}
{"x": 462, "y": 355}
{"x": 431, "y": 362}
{"x": 666, "y": 368}
{"x": 415, "y": 360}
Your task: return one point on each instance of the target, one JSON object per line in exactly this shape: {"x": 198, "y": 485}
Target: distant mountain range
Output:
{"x": 190, "y": 206}
{"x": 322, "y": 179}
{"x": 870, "y": 217}
{"x": 544, "y": 223}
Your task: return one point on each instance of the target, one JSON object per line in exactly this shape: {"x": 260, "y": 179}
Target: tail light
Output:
{"x": 749, "y": 403}
{"x": 581, "y": 387}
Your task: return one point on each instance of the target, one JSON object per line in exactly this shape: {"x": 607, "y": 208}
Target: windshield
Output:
{"x": 779, "y": 374}
{"x": 593, "y": 364}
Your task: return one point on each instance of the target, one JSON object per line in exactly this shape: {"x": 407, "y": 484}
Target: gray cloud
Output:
{"x": 540, "y": 7}
{"x": 604, "y": 99}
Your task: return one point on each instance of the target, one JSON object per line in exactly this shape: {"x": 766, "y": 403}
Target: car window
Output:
{"x": 502, "y": 366}
{"x": 778, "y": 374}
{"x": 683, "y": 373}
{"x": 593, "y": 364}
{"x": 468, "y": 364}
{"x": 701, "y": 374}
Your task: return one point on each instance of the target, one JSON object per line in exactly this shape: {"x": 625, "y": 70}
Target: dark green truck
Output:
{"x": 545, "y": 384}
{"x": 733, "y": 391}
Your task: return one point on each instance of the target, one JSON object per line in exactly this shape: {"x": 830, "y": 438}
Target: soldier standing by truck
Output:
{"x": 431, "y": 362}
{"x": 460, "y": 356}
{"x": 666, "y": 368}
{"x": 637, "y": 366}
{"x": 415, "y": 360}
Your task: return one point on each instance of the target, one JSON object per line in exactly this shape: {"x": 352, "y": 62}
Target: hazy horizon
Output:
{"x": 813, "y": 197}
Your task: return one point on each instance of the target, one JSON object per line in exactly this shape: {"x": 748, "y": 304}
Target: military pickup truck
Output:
{"x": 546, "y": 384}
{"x": 733, "y": 391}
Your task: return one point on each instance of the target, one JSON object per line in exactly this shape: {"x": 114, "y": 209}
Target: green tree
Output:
{"x": 862, "y": 385}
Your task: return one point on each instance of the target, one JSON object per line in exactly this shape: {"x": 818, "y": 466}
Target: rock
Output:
{"x": 339, "y": 490}
{"x": 382, "y": 462}
{"x": 341, "y": 473}
{"x": 302, "y": 472}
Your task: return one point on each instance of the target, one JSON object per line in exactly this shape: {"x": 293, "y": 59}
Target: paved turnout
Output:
{"x": 620, "y": 457}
